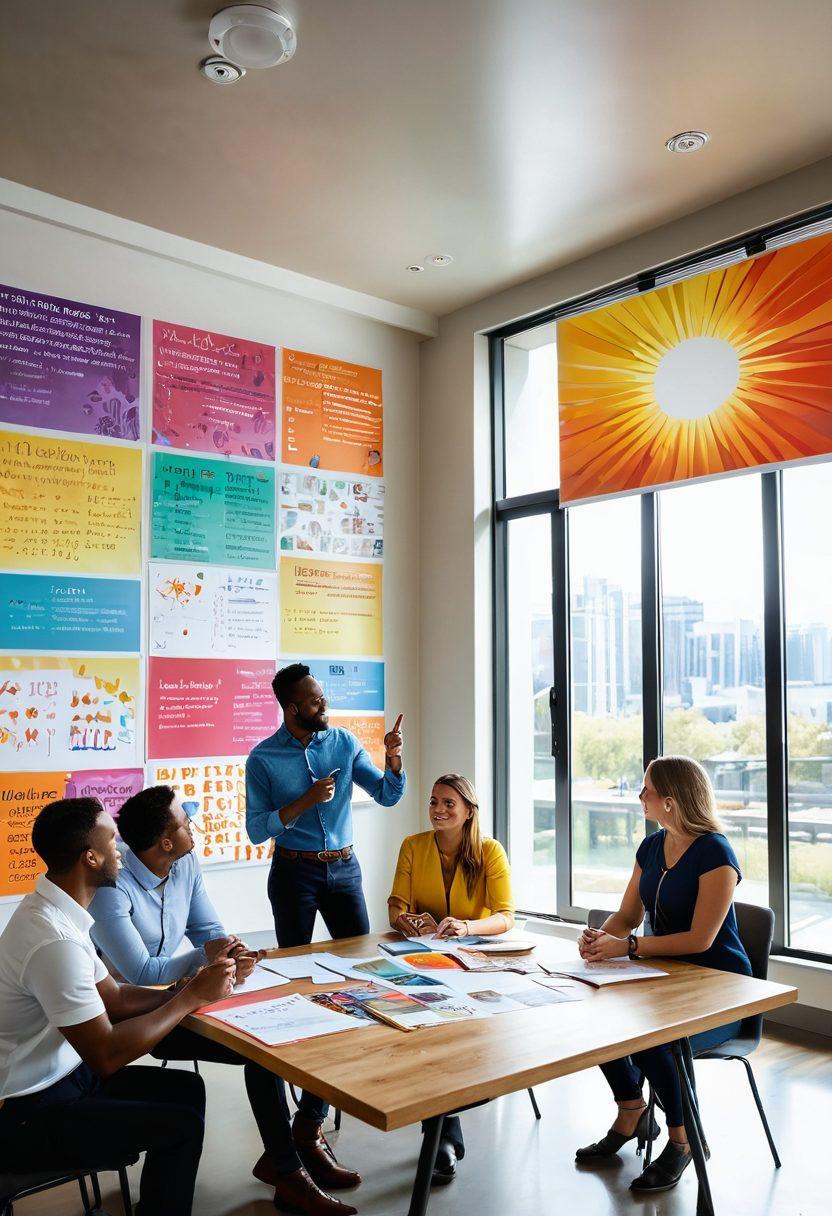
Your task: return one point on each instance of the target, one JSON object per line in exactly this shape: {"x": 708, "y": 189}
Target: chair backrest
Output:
{"x": 596, "y": 917}
{"x": 756, "y": 929}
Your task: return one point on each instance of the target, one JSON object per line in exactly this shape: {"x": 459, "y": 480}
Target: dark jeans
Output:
{"x": 266, "y": 1093}
{"x": 82, "y": 1120}
{"x": 452, "y": 1131}
{"x": 656, "y": 1063}
{"x": 299, "y": 889}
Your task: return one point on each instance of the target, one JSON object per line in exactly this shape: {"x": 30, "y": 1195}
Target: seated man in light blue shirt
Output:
{"x": 157, "y": 902}
{"x": 298, "y": 791}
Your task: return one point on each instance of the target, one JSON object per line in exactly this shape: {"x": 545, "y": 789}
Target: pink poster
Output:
{"x": 112, "y": 787}
{"x": 208, "y": 707}
{"x": 213, "y": 393}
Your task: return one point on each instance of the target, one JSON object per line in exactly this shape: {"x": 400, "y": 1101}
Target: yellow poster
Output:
{"x": 22, "y": 796}
{"x": 69, "y": 506}
{"x": 68, "y": 713}
{"x": 330, "y": 608}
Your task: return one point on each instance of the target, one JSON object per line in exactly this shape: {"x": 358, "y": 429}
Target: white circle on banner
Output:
{"x": 696, "y": 377}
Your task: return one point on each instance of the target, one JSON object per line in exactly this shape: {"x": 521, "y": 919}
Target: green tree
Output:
{"x": 607, "y": 748}
{"x": 687, "y": 732}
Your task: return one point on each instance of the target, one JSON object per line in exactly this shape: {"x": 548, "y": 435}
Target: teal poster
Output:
{"x": 218, "y": 511}
{"x": 57, "y": 612}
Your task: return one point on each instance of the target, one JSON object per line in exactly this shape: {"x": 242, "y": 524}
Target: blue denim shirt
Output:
{"x": 141, "y": 921}
{"x": 280, "y": 769}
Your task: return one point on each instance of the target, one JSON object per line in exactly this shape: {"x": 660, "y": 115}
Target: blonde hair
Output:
{"x": 686, "y": 782}
{"x": 470, "y": 853}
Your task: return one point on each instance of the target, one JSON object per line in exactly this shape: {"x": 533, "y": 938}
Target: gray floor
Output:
{"x": 516, "y": 1165}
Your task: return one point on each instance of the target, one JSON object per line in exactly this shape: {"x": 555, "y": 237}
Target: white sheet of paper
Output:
{"x": 308, "y": 966}
{"x": 287, "y": 1019}
{"x": 612, "y": 971}
{"x": 259, "y": 979}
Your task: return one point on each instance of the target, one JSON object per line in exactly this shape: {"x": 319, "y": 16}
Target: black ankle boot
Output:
{"x": 610, "y": 1144}
{"x": 663, "y": 1173}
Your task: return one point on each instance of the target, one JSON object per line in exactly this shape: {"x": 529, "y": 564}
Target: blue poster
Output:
{"x": 349, "y": 687}
{"x": 65, "y": 612}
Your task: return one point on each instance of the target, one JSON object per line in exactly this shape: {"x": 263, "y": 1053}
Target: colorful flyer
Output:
{"x": 369, "y": 730}
{"x": 213, "y": 794}
{"x": 22, "y": 796}
{"x": 203, "y": 610}
{"x": 71, "y": 506}
{"x": 112, "y": 787}
{"x": 208, "y": 707}
{"x": 332, "y": 415}
{"x": 68, "y": 366}
{"x": 56, "y": 612}
{"x": 351, "y": 686}
{"x": 58, "y": 712}
{"x": 213, "y": 393}
{"x": 336, "y": 515}
{"x": 217, "y": 511}
{"x": 330, "y": 607}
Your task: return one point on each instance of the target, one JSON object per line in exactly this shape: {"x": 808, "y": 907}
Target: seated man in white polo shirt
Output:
{"x": 68, "y": 1030}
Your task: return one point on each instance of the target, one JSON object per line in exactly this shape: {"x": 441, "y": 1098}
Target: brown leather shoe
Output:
{"x": 319, "y": 1158}
{"x": 265, "y": 1172}
{"x": 297, "y": 1193}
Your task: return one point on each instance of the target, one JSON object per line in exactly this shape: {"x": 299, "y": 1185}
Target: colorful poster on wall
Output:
{"x": 57, "y": 712}
{"x": 55, "y": 612}
{"x": 213, "y": 794}
{"x": 337, "y": 515}
{"x": 330, "y": 608}
{"x": 68, "y": 366}
{"x": 369, "y": 729}
{"x": 213, "y": 393}
{"x": 351, "y": 686}
{"x": 71, "y": 506}
{"x": 22, "y": 796}
{"x": 208, "y": 707}
{"x": 213, "y": 511}
{"x": 203, "y": 610}
{"x": 332, "y": 415}
{"x": 112, "y": 787}
{"x": 727, "y": 371}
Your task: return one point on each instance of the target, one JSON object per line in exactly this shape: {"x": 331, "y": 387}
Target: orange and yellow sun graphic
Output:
{"x": 726, "y": 371}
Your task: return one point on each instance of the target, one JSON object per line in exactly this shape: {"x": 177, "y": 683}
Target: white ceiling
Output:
{"x": 515, "y": 135}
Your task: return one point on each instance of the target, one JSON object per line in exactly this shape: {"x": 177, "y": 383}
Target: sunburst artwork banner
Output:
{"x": 727, "y": 371}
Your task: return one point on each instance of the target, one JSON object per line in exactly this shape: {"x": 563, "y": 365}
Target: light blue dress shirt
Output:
{"x": 280, "y": 769}
{"x": 141, "y": 921}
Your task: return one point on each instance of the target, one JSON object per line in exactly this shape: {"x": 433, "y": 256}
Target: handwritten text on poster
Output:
{"x": 202, "y": 610}
{"x": 206, "y": 707}
{"x": 330, "y": 608}
{"x": 332, "y": 414}
{"x": 56, "y": 612}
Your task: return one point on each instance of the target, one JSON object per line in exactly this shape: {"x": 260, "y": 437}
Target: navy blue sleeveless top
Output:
{"x": 669, "y": 896}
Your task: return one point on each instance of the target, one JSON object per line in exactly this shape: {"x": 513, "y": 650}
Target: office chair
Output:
{"x": 20, "y": 1185}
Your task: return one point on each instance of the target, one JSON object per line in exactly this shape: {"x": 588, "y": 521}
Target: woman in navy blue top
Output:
{"x": 682, "y": 887}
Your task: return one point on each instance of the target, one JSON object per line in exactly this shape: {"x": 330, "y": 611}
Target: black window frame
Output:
{"x": 547, "y": 503}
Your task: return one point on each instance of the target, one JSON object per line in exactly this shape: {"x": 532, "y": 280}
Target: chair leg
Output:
{"x": 196, "y": 1067}
{"x": 533, "y": 1101}
{"x": 124, "y": 1183}
{"x": 752, "y": 1082}
{"x": 96, "y": 1190}
{"x": 164, "y": 1063}
{"x": 337, "y": 1119}
{"x": 651, "y": 1114}
{"x": 85, "y": 1195}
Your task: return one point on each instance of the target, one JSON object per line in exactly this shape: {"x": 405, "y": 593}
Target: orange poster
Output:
{"x": 727, "y": 371}
{"x": 368, "y": 729}
{"x": 332, "y": 415}
{"x": 22, "y": 795}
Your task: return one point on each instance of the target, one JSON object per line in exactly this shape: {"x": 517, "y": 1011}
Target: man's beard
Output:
{"x": 319, "y": 722}
{"x": 108, "y": 876}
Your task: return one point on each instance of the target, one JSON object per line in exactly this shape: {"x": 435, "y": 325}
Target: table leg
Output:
{"x": 704, "y": 1201}
{"x": 424, "y": 1170}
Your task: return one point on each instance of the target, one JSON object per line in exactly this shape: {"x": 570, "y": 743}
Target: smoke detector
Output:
{"x": 252, "y": 36}
{"x": 221, "y": 71}
{"x": 687, "y": 141}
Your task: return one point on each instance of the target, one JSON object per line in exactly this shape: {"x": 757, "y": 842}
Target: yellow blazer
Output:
{"x": 418, "y": 885}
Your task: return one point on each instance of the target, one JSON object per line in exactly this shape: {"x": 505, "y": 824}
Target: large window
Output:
{"x": 695, "y": 620}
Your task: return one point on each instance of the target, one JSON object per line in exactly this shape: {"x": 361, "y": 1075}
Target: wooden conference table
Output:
{"x": 390, "y": 1078}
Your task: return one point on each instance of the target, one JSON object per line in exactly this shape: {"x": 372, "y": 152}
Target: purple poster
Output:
{"x": 111, "y": 787}
{"x": 68, "y": 366}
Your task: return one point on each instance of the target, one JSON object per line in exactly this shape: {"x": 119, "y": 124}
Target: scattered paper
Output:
{"x": 286, "y": 1019}
{"x": 312, "y": 967}
{"x": 259, "y": 979}
{"x": 612, "y": 971}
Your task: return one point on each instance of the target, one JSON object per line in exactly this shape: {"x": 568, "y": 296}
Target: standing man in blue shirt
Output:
{"x": 298, "y": 788}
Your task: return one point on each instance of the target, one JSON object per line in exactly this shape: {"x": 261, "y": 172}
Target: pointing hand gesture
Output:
{"x": 393, "y": 740}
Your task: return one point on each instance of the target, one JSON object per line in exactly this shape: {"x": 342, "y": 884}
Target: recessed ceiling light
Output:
{"x": 687, "y": 141}
{"x": 415, "y": 268}
{"x": 221, "y": 71}
{"x": 439, "y": 259}
{"x": 252, "y": 35}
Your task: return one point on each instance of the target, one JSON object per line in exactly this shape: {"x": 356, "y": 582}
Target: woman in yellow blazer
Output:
{"x": 464, "y": 883}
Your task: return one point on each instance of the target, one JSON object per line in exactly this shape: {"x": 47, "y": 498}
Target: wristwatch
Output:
{"x": 632, "y": 946}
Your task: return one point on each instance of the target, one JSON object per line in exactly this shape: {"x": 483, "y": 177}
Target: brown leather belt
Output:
{"x": 326, "y": 855}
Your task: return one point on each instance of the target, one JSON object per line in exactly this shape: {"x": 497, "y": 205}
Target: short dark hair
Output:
{"x": 144, "y": 817}
{"x": 62, "y": 830}
{"x": 285, "y": 681}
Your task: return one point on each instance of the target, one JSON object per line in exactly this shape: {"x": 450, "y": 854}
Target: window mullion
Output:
{"x": 777, "y": 770}
{"x": 561, "y": 712}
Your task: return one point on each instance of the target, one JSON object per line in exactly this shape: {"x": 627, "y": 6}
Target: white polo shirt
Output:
{"x": 48, "y": 976}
